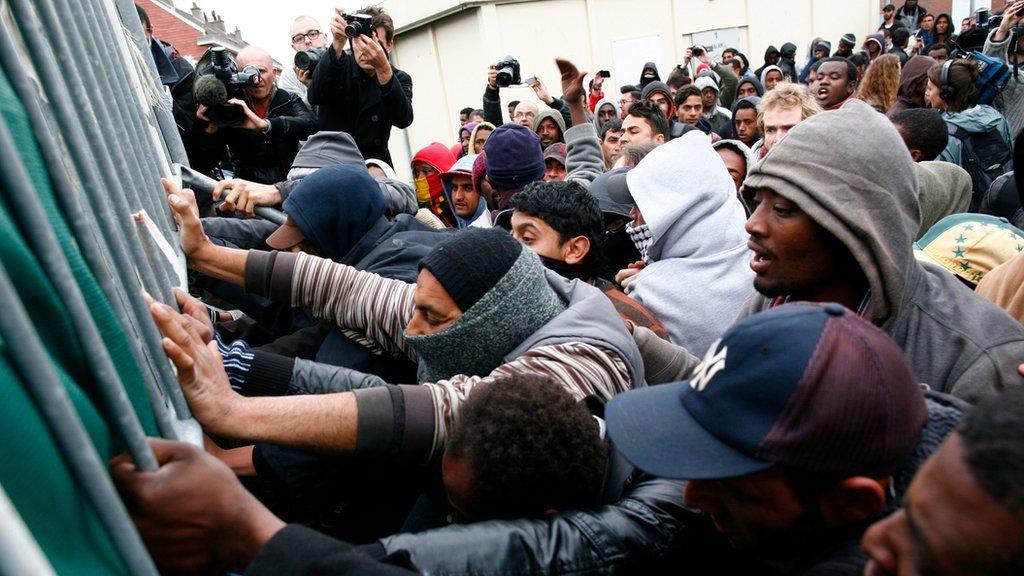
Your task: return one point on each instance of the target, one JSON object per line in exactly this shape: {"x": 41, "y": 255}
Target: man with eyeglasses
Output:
{"x": 630, "y": 95}
{"x": 359, "y": 91}
{"x": 306, "y": 33}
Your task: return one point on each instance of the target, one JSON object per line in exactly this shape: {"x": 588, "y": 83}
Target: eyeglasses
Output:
{"x": 311, "y": 35}
{"x": 521, "y": 115}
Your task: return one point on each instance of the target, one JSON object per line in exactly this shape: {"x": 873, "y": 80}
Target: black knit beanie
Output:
{"x": 471, "y": 262}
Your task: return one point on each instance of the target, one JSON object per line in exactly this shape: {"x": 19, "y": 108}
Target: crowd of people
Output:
{"x": 753, "y": 320}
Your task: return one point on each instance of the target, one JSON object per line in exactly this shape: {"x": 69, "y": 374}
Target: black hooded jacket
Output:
{"x": 787, "y": 61}
{"x": 772, "y": 53}
{"x": 645, "y": 81}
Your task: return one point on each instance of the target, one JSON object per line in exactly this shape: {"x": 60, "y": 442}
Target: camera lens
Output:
{"x": 306, "y": 60}
{"x": 505, "y": 77}
{"x": 353, "y": 29}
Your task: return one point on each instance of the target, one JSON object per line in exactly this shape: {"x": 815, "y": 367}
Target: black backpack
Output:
{"x": 985, "y": 156}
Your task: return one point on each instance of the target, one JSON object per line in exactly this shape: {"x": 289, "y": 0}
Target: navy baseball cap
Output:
{"x": 811, "y": 386}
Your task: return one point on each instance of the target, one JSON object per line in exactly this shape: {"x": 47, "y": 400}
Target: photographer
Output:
{"x": 360, "y": 92}
{"x": 306, "y": 34}
{"x": 1006, "y": 42}
{"x": 265, "y": 140}
{"x": 492, "y": 96}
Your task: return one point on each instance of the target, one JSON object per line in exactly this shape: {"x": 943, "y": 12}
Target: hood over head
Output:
{"x": 472, "y": 136}
{"x": 942, "y": 189}
{"x": 748, "y": 102}
{"x": 767, "y": 69}
{"x": 756, "y": 83}
{"x": 327, "y": 149}
{"x": 389, "y": 172}
{"x": 788, "y": 51}
{"x": 771, "y": 51}
{"x": 463, "y": 167}
{"x": 874, "y": 213}
{"x": 468, "y": 128}
{"x": 437, "y": 155}
{"x": 706, "y": 82}
{"x": 914, "y": 72}
{"x": 597, "y": 109}
{"x": 554, "y": 115}
{"x": 645, "y": 80}
{"x": 697, "y": 239}
{"x": 334, "y": 207}
{"x": 877, "y": 39}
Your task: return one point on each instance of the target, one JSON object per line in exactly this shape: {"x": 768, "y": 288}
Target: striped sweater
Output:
{"x": 375, "y": 311}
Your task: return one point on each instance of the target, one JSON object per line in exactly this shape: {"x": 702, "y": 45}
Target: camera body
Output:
{"x": 697, "y": 51}
{"x": 508, "y": 72}
{"x": 308, "y": 59}
{"x": 223, "y": 66}
{"x": 358, "y": 24}
{"x": 224, "y": 69}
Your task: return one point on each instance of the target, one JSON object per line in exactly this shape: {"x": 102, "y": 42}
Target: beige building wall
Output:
{"x": 446, "y": 46}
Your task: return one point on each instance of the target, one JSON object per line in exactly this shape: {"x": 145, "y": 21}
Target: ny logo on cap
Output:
{"x": 713, "y": 363}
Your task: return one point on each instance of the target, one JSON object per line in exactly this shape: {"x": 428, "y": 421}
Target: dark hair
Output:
{"x": 900, "y": 37}
{"x": 746, "y": 62}
{"x": 530, "y": 448}
{"x": 962, "y": 76}
{"x": 937, "y": 46}
{"x": 568, "y": 208}
{"x": 851, "y": 68}
{"x": 144, "y": 18}
{"x": 628, "y": 88}
{"x": 685, "y": 92}
{"x": 652, "y": 113}
{"x": 467, "y": 111}
{"x": 613, "y": 125}
{"x": 514, "y": 103}
{"x": 380, "y": 19}
{"x": 734, "y": 62}
{"x": 678, "y": 77}
{"x": 860, "y": 58}
{"x": 922, "y": 129}
{"x": 477, "y": 112}
{"x": 636, "y": 94}
{"x": 993, "y": 441}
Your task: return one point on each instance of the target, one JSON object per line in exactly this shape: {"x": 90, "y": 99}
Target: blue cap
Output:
{"x": 806, "y": 385}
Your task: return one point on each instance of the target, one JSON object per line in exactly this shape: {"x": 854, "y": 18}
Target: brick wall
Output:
{"x": 940, "y": 6}
{"x": 172, "y": 29}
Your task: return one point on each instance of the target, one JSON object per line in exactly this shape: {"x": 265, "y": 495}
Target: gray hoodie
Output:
{"x": 956, "y": 341}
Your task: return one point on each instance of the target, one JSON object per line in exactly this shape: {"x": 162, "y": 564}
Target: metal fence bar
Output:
{"x": 42, "y": 382}
{"x": 19, "y": 551}
{"x": 82, "y": 222}
{"x": 98, "y": 177}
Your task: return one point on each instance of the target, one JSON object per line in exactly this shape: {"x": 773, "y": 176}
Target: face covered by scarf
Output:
{"x": 642, "y": 239}
{"x": 430, "y": 195}
{"x": 518, "y": 305}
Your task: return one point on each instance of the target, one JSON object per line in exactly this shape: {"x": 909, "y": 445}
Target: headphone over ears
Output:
{"x": 947, "y": 91}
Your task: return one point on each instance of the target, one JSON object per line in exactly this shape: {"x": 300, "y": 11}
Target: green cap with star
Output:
{"x": 970, "y": 245}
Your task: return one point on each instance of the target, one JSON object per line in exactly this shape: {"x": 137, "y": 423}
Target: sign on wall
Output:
{"x": 717, "y": 40}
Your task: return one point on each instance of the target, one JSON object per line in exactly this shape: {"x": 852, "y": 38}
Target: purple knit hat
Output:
{"x": 514, "y": 157}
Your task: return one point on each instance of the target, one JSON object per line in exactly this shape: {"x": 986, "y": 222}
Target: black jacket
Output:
{"x": 349, "y": 100}
{"x": 267, "y": 158}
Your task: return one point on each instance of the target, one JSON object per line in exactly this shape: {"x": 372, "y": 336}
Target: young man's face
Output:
{"x": 463, "y": 118}
{"x": 745, "y": 122}
{"x": 422, "y": 169}
{"x": 663, "y": 102}
{"x": 624, "y": 104}
{"x": 778, "y": 122}
{"x": 464, "y": 140}
{"x": 757, "y": 512}
{"x": 636, "y": 131}
{"x": 820, "y": 54}
{"x": 932, "y": 97}
{"x": 948, "y": 525}
{"x": 888, "y": 13}
{"x": 726, "y": 54}
{"x": 548, "y": 132}
{"x": 939, "y": 54}
{"x": 708, "y": 97}
{"x": 434, "y": 310}
{"x": 832, "y": 84}
{"x": 482, "y": 134}
{"x": 544, "y": 240}
{"x": 792, "y": 254}
{"x": 610, "y": 147}
{"x": 965, "y": 25}
{"x": 927, "y": 23}
{"x": 465, "y": 200}
{"x": 606, "y": 113}
{"x": 771, "y": 79}
{"x": 735, "y": 163}
{"x": 873, "y": 50}
{"x": 690, "y": 110}
{"x": 554, "y": 171}
{"x": 746, "y": 90}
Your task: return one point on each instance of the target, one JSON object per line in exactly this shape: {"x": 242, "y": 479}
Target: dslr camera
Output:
{"x": 358, "y": 24}
{"x": 220, "y": 82}
{"x": 697, "y": 51}
{"x": 308, "y": 59}
{"x": 508, "y": 72}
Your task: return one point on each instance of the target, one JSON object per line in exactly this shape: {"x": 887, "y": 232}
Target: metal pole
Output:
{"x": 27, "y": 210}
{"x": 97, "y": 183}
{"x": 81, "y": 219}
{"x": 42, "y": 382}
